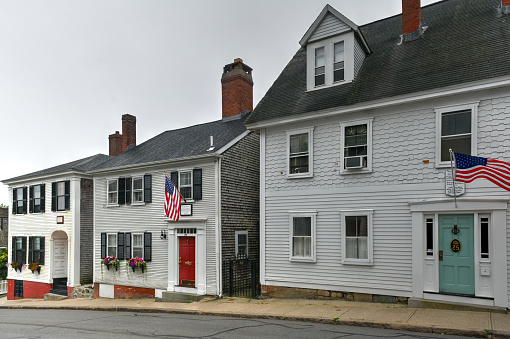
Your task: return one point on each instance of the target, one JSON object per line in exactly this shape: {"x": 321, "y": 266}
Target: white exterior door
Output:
{"x": 60, "y": 258}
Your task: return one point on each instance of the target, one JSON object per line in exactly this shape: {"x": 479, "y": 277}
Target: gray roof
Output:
{"x": 466, "y": 41}
{"x": 181, "y": 143}
{"x": 82, "y": 165}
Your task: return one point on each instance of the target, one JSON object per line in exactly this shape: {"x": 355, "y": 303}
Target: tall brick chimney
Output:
{"x": 119, "y": 143}
{"x": 411, "y": 20}
{"x": 236, "y": 88}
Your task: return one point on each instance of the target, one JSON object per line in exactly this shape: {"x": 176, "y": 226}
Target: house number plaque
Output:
{"x": 455, "y": 245}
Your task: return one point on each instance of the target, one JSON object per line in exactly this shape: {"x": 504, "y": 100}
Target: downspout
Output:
{"x": 218, "y": 228}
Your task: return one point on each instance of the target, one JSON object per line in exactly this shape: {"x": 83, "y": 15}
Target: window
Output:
{"x": 320, "y": 67}
{"x": 112, "y": 192}
{"x": 429, "y": 223}
{"x": 60, "y": 196}
{"x": 302, "y": 236}
{"x": 484, "y": 237}
{"x": 137, "y": 190}
{"x": 185, "y": 184}
{"x": 36, "y": 202}
{"x": 241, "y": 243}
{"x": 300, "y": 153}
{"x": 357, "y": 237}
{"x": 36, "y": 250}
{"x": 338, "y": 66}
{"x": 19, "y": 200}
{"x": 112, "y": 245}
{"x": 356, "y": 143}
{"x": 456, "y": 130}
{"x": 137, "y": 246}
{"x": 19, "y": 249}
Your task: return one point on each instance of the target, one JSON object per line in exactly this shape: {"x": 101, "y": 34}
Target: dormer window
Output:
{"x": 320, "y": 67}
{"x": 338, "y": 67}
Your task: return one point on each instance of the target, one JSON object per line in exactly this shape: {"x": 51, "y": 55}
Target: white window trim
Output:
{"x": 304, "y": 214}
{"x": 133, "y": 244}
{"x": 329, "y": 52}
{"x": 345, "y": 124}
{"x": 116, "y": 244}
{"x": 361, "y": 212}
{"x": 237, "y": 233}
{"x": 133, "y": 202}
{"x": 308, "y": 174}
{"x": 179, "y": 188}
{"x": 474, "y": 123}
{"x": 108, "y": 192}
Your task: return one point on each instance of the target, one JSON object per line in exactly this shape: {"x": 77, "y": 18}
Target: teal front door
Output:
{"x": 456, "y": 254}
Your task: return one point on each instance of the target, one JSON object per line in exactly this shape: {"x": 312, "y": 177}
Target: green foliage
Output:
{"x": 4, "y": 206}
{"x": 3, "y": 262}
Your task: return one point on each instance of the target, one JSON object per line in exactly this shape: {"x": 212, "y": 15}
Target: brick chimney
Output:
{"x": 411, "y": 20}
{"x": 119, "y": 143}
{"x": 236, "y": 88}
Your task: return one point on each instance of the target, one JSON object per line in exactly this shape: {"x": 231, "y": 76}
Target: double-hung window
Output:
{"x": 112, "y": 244}
{"x": 137, "y": 190}
{"x": 112, "y": 192}
{"x": 19, "y": 249}
{"x": 36, "y": 201}
{"x": 456, "y": 130}
{"x": 357, "y": 236}
{"x": 302, "y": 236}
{"x": 19, "y": 200}
{"x": 137, "y": 245}
{"x": 300, "y": 153}
{"x": 338, "y": 65}
{"x": 320, "y": 67}
{"x": 356, "y": 143}
{"x": 186, "y": 184}
{"x": 241, "y": 244}
{"x": 36, "y": 250}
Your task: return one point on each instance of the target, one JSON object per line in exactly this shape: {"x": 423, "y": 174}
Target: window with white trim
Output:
{"x": 112, "y": 192}
{"x": 302, "y": 236}
{"x": 357, "y": 236}
{"x": 356, "y": 144}
{"x": 456, "y": 130}
{"x": 484, "y": 236}
{"x": 338, "y": 66}
{"x": 112, "y": 244}
{"x": 61, "y": 196}
{"x": 241, "y": 243}
{"x": 320, "y": 67}
{"x": 20, "y": 200}
{"x": 137, "y": 245}
{"x": 186, "y": 184}
{"x": 300, "y": 153}
{"x": 137, "y": 190}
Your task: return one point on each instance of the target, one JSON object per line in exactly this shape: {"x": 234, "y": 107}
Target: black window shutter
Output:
{"x": 127, "y": 245}
{"x": 41, "y": 253}
{"x": 14, "y": 201}
{"x": 147, "y": 188}
{"x": 43, "y": 194}
{"x": 14, "y": 249}
{"x": 147, "y": 246}
{"x": 24, "y": 200}
{"x": 30, "y": 250}
{"x": 174, "y": 177}
{"x": 31, "y": 199}
{"x": 24, "y": 250}
{"x": 68, "y": 195}
{"x": 53, "y": 196}
{"x": 121, "y": 193}
{"x": 128, "y": 190}
{"x": 103, "y": 245}
{"x": 197, "y": 184}
{"x": 120, "y": 246}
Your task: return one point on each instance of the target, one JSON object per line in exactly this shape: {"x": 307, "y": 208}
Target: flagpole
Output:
{"x": 453, "y": 177}
{"x": 174, "y": 186}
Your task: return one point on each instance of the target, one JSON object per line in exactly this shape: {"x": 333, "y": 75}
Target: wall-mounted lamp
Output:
{"x": 163, "y": 234}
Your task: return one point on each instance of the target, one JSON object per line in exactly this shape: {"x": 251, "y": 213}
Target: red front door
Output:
{"x": 187, "y": 261}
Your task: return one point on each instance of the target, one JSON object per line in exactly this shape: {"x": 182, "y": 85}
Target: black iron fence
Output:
{"x": 241, "y": 278}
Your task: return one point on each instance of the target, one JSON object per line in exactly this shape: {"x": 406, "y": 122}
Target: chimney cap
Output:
{"x": 237, "y": 62}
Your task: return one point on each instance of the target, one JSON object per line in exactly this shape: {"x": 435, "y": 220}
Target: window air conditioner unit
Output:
{"x": 354, "y": 162}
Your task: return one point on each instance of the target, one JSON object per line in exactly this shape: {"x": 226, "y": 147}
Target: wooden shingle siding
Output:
{"x": 240, "y": 195}
{"x": 359, "y": 56}
{"x": 86, "y": 230}
{"x": 331, "y": 25}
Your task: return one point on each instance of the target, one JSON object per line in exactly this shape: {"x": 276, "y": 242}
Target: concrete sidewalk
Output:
{"x": 391, "y": 316}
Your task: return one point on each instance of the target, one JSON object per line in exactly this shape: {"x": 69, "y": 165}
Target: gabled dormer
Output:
{"x": 335, "y": 49}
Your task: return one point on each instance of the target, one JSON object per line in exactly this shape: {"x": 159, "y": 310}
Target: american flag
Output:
{"x": 172, "y": 200}
{"x": 469, "y": 168}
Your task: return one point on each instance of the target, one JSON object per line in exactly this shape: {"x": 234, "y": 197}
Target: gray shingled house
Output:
{"x": 356, "y": 187}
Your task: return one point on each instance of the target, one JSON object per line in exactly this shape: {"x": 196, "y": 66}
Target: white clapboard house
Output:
{"x": 356, "y": 201}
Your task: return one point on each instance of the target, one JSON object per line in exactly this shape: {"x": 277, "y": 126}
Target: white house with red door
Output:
{"x": 356, "y": 190}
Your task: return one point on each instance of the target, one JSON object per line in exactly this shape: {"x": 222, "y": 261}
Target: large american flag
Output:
{"x": 469, "y": 168}
{"x": 172, "y": 200}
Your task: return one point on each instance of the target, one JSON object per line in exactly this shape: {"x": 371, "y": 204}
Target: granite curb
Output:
{"x": 374, "y": 324}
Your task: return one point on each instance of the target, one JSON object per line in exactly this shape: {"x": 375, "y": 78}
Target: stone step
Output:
{"x": 53, "y": 296}
{"x": 177, "y": 297}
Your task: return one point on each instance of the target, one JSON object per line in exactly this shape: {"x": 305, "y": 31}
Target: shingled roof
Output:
{"x": 465, "y": 41}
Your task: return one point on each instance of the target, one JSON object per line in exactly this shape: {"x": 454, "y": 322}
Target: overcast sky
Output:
{"x": 70, "y": 69}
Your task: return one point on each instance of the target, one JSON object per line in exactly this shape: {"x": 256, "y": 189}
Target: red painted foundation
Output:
{"x": 128, "y": 292}
{"x": 31, "y": 289}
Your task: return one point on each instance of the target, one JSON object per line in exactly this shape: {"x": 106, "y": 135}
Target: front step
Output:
{"x": 59, "y": 286}
{"x": 53, "y": 296}
{"x": 177, "y": 297}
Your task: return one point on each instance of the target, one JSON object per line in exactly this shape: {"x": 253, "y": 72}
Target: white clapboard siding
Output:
{"x": 150, "y": 218}
{"x": 331, "y": 25}
{"x": 42, "y": 225}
